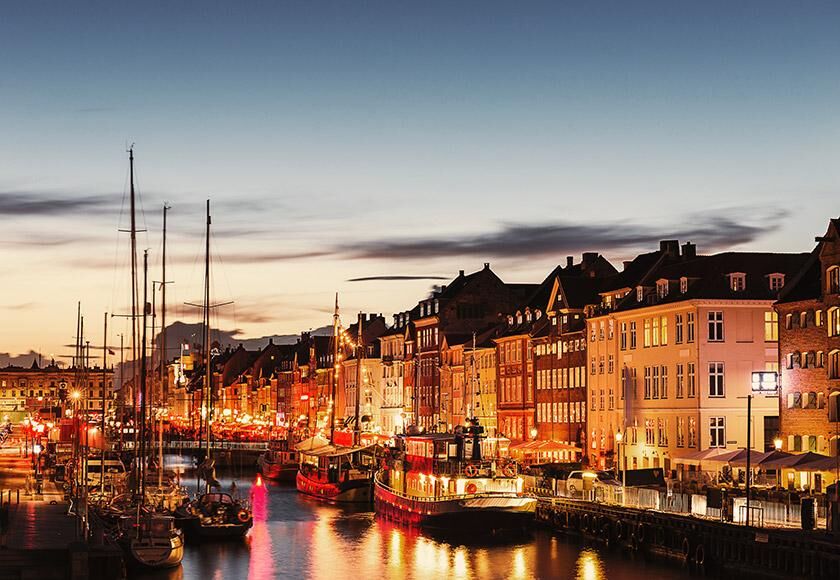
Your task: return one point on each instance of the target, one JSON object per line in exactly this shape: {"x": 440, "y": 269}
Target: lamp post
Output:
{"x": 619, "y": 436}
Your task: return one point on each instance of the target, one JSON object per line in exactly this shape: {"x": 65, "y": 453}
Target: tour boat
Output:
{"x": 279, "y": 462}
{"x": 449, "y": 481}
{"x": 335, "y": 473}
{"x": 215, "y": 516}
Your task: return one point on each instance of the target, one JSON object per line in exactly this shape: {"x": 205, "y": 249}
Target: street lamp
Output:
{"x": 619, "y": 436}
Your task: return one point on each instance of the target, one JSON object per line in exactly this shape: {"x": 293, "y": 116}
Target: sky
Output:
{"x": 347, "y": 140}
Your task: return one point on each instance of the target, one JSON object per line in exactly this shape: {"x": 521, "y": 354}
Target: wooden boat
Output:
{"x": 151, "y": 540}
{"x": 443, "y": 481}
{"x": 335, "y": 473}
{"x": 279, "y": 462}
{"x": 215, "y": 516}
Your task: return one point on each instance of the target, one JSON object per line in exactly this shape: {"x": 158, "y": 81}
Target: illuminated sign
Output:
{"x": 765, "y": 381}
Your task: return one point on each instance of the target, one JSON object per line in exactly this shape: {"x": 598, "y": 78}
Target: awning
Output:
{"x": 739, "y": 457}
{"x": 697, "y": 457}
{"x": 826, "y": 464}
{"x": 797, "y": 462}
{"x": 540, "y": 446}
{"x": 312, "y": 443}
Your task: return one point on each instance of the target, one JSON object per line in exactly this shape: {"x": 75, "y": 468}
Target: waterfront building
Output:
{"x": 469, "y": 303}
{"x": 370, "y": 403}
{"x": 44, "y": 390}
{"x": 809, "y": 351}
{"x": 671, "y": 360}
{"x": 392, "y": 383}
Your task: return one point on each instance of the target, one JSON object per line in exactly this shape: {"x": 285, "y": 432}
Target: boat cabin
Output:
{"x": 331, "y": 464}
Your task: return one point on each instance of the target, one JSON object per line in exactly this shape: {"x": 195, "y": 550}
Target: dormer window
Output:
{"x": 527, "y": 315}
{"x": 776, "y": 282}
{"x": 437, "y": 306}
{"x": 519, "y": 318}
{"x": 737, "y": 281}
{"x": 662, "y": 288}
{"x": 510, "y": 320}
{"x": 537, "y": 314}
{"x": 683, "y": 285}
{"x": 832, "y": 277}
{"x": 640, "y": 293}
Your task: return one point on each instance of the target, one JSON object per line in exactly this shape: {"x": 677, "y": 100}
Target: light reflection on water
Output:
{"x": 295, "y": 537}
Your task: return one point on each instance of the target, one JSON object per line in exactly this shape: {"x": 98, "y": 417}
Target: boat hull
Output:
{"x": 356, "y": 491}
{"x": 278, "y": 471}
{"x": 490, "y": 512}
{"x": 155, "y": 552}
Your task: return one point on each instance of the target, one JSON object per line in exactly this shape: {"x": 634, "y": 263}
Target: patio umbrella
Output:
{"x": 696, "y": 457}
{"x": 824, "y": 464}
{"x": 794, "y": 461}
{"x": 772, "y": 456}
{"x": 739, "y": 458}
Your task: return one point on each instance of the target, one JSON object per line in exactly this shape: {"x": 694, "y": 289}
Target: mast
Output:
{"x": 471, "y": 407}
{"x": 143, "y": 380}
{"x": 134, "y": 298}
{"x": 336, "y": 366}
{"x": 360, "y": 355}
{"x": 208, "y": 373}
{"x": 104, "y": 390}
{"x": 162, "y": 357}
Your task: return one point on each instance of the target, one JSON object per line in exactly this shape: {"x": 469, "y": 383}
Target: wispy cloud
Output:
{"x": 27, "y": 203}
{"x": 711, "y": 231}
{"x": 395, "y": 278}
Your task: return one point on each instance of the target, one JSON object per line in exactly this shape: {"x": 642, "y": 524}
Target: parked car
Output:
{"x": 575, "y": 481}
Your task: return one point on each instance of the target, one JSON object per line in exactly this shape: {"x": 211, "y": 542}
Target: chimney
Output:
{"x": 443, "y": 287}
{"x": 570, "y": 261}
{"x": 626, "y": 263}
{"x": 589, "y": 257}
{"x": 486, "y": 265}
{"x": 689, "y": 250}
{"x": 460, "y": 273}
{"x": 670, "y": 247}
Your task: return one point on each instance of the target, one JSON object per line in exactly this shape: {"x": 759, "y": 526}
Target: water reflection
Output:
{"x": 295, "y": 537}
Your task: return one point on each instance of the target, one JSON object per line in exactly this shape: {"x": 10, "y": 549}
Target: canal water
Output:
{"x": 296, "y": 537}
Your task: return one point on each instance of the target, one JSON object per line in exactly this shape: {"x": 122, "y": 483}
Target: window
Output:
{"x": 601, "y": 365}
{"x": 633, "y": 334}
{"x": 738, "y": 282}
{"x": 601, "y": 330}
{"x": 678, "y": 328}
{"x": 716, "y": 387}
{"x": 832, "y": 276}
{"x": 692, "y": 432}
{"x": 803, "y": 319}
{"x": 689, "y": 317}
{"x": 771, "y": 326}
{"x": 649, "y": 432}
{"x": 834, "y": 364}
{"x": 662, "y": 428}
{"x": 834, "y": 321}
{"x": 663, "y": 375}
{"x": 680, "y": 380}
{"x": 683, "y": 285}
{"x": 647, "y": 333}
{"x": 680, "y": 431}
{"x": 611, "y": 364}
{"x": 622, "y": 339}
{"x": 640, "y": 293}
{"x": 610, "y": 329}
{"x": 593, "y": 332}
{"x": 592, "y": 366}
{"x": 715, "y": 326}
{"x": 647, "y": 382}
{"x": 818, "y": 318}
{"x": 692, "y": 381}
{"x": 834, "y": 406}
{"x": 717, "y": 432}
{"x": 656, "y": 331}
{"x": 809, "y": 401}
{"x": 776, "y": 282}
{"x": 655, "y": 389}
{"x": 663, "y": 325}
{"x": 661, "y": 288}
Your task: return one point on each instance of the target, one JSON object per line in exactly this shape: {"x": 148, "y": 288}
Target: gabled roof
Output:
{"x": 807, "y": 283}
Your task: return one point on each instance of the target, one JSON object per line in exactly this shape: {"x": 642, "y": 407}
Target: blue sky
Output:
{"x": 336, "y": 138}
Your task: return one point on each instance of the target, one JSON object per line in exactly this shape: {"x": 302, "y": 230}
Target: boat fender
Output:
{"x": 686, "y": 551}
{"x": 584, "y": 522}
{"x": 472, "y": 488}
{"x": 471, "y": 471}
{"x": 700, "y": 555}
{"x": 640, "y": 533}
{"x": 243, "y": 516}
{"x": 509, "y": 470}
{"x": 619, "y": 530}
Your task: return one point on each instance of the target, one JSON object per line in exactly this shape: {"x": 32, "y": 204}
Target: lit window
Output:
{"x": 771, "y": 326}
{"x": 738, "y": 282}
{"x": 832, "y": 276}
{"x": 683, "y": 285}
{"x": 662, "y": 288}
{"x": 640, "y": 293}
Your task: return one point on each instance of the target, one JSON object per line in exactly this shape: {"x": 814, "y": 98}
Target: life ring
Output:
{"x": 699, "y": 555}
{"x": 243, "y": 516}
{"x": 472, "y": 488}
{"x": 471, "y": 470}
{"x": 509, "y": 470}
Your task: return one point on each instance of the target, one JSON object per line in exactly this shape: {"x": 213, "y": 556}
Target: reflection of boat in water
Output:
{"x": 443, "y": 480}
{"x": 215, "y": 516}
{"x": 279, "y": 462}
{"x": 335, "y": 473}
{"x": 151, "y": 540}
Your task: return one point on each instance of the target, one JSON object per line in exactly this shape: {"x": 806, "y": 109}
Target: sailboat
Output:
{"x": 340, "y": 469}
{"x": 214, "y": 515}
{"x": 148, "y": 538}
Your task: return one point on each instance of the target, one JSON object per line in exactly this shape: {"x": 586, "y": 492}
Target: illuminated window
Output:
{"x": 738, "y": 282}
{"x": 832, "y": 276}
{"x": 683, "y": 285}
{"x": 662, "y": 288}
{"x": 771, "y": 326}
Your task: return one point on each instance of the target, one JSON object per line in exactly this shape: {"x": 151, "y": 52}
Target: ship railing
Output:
{"x": 443, "y": 497}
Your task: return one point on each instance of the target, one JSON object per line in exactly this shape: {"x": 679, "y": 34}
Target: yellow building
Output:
{"x": 670, "y": 363}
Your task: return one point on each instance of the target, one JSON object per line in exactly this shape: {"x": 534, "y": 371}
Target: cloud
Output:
{"x": 388, "y": 278}
{"x": 20, "y": 203}
{"x": 710, "y": 231}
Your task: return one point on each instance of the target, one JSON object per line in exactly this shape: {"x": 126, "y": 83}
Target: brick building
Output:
{"x": 809, "y": 351}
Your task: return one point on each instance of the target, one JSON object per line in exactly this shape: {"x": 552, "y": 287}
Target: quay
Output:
{"x": 711, "y": 547}
{"x": 38, "y": 538}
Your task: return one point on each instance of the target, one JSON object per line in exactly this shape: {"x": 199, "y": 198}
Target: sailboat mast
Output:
{"x": 360, "y": 354}
{"x": 143, "y": 380}
{"x": 104, "y": 390}
{"x": 134, "y": 298}
{"x": 336, "y": 366}
{"x": 163, "y": 357}
{"x": 208, "y": 371}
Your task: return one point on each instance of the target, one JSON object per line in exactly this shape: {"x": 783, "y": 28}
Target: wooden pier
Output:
{"x": 708, "y": 546}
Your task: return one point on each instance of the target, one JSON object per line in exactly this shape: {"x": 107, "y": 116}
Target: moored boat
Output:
{"x": 336, "y": 473}
{"x": 279, "y": 462}
{"x": 151, "y": 540}
{"x": 215, "y": 516}
{"x": 445, "y": 481}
